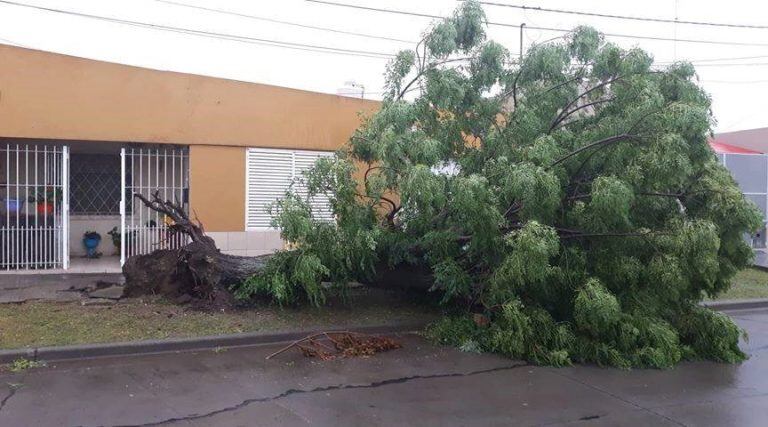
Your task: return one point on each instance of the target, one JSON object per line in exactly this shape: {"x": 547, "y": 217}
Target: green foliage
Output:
{"x": 518, "y": 332}
{"x": 22, "y": 364}
{"x": 570, "y": 197}
{"x": 451, "y": 279}
{"x": 457, "y": 331}
{"x": 527, "y": 262}
{"x": 595, "y": 310}
{"x": 711, "y": 335}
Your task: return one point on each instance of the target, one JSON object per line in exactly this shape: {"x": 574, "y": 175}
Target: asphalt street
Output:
{"x": 418, "y": 385}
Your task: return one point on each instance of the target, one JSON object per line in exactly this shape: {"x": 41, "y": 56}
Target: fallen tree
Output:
{"x": 197, "y": 269}
{"x": 566, "y": 206}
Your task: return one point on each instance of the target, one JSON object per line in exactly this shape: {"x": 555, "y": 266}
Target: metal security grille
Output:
{"x": 34, "y": 199}
{"x": 146, "y": 171}
{"x": 270, "y": 173}
{"x": 95, "y": 184}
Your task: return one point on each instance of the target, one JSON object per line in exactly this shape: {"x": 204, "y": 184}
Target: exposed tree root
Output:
{"x": 197, "y": 269}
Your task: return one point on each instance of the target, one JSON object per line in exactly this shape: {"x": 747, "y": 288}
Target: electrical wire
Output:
{"x": 626, "y": 17}
{"x": 293, "y": 24}
{"x": 215, "y": 35}
{"x": 700, "y": 60}
{"x": 303, "y": 46}
{"x": 743, "y": 64}
{"x": 553, "y": 29}
{"x": 735, "y": 81}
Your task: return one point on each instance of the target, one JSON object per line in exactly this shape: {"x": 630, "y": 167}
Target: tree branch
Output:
{"x": 423, "y": 71}
{"x": 651, "y": 193}
{"x": 181, "y": 222}
{"x": 628, "y": 234}
{"x": 605, "y": 141}
{"x": 565, "y": 116}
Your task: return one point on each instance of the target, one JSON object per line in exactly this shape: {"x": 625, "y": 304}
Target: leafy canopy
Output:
{"x": 570, "y": 197}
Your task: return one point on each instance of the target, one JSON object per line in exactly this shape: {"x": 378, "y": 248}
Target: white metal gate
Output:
{"x": 146, "y": 171}
{"x": 34, "y": 206}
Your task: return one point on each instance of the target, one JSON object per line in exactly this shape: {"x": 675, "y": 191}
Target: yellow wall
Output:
{"x": 51, "y": 96}
{"x": 217, "y": 187}
{"x": 47, "y": 95}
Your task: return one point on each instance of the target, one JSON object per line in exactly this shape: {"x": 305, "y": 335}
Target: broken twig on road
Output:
{"x": 342, "y": 344}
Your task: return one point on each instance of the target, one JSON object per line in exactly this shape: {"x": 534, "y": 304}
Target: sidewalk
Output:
{"x": 50, "y": 287}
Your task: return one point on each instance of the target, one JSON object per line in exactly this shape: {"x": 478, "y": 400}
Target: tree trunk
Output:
{"x": 198, "y": 269}
{"x": 201, "y": 271}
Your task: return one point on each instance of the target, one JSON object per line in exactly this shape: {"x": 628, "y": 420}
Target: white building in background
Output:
{"x": 352, "y": 89}
{"x": 744, "y": 154}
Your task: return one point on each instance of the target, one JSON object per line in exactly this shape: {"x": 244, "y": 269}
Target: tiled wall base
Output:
{"x": 247, "y": 243}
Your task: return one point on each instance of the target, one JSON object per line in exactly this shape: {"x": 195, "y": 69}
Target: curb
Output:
{"x": 737, "y": 304}
{"x": 87, "y": 351}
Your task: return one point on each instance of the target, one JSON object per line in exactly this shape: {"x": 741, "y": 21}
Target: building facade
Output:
{"x": 78, "y": 137}
{"x": 749, "y": 169}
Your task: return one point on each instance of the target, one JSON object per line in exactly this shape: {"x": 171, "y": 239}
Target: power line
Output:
{"x": 293, "y": 24}
{"x": 553, "y": 29}
{"x": 698, "y": 61}
{"x": 626, "y": 17}
{"x": 742, "y": 64}
{"x": 290, "y": 45}
{"x": 216, "y": 35}
{"x": 735, "y": 81}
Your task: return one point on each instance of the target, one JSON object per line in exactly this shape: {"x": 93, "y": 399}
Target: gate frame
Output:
{"x": 179, "y": 156}
{"x": 65, "y": 206}
{"x": 122, "y": 206}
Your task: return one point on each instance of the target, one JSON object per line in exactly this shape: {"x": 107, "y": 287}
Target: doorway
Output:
{"x": 94, "y": 208}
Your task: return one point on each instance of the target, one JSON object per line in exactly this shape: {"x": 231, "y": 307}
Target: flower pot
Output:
{"x": 13, "y": 205}
{"x": 45, "y": 208}
{"x": 91, "y": 243}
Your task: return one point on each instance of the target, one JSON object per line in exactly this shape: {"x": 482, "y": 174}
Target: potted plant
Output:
{"x": 91, "y": 240}
{"x": 114, "y": 233}
{"x": 45, "y": 198}
{"x": 13, "y": 206}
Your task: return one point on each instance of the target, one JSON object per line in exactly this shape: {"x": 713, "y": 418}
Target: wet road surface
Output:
{"x": 419, "y": 385}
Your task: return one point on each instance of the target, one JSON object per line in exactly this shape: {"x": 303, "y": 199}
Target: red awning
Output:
{"x": 722, "y": 148}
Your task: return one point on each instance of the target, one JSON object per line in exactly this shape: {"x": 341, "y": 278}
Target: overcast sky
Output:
{"x": 739, "y": 91}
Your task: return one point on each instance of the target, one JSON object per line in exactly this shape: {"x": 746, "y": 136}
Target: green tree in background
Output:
{"x": 568, "y": 199}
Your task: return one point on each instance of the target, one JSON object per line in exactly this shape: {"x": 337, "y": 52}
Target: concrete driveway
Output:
{"x": 419, "y": 385}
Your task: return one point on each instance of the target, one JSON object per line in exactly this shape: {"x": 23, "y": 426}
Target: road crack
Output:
{"x": 12, "y": 389}
{"x": 292, "y": 391}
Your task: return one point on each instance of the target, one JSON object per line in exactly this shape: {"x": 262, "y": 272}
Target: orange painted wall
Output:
{"x": 50, "y": 96}
{"x": 47, "y": 95}
{"x": 217, "y": 186}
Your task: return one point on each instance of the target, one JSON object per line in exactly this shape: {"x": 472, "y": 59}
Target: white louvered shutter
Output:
{"x": 304, "y": 160}
{"x": 269, "y": 175}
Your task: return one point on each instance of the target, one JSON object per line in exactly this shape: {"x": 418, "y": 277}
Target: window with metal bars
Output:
{"x": 95, "y": 184}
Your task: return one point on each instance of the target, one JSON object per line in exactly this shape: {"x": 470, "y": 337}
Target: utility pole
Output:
{"x": 521, "y": 41}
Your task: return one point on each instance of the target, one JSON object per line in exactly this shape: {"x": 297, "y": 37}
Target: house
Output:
{"x": 744, "y": 154}
{"x": 79, "y": 136}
